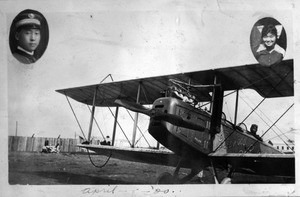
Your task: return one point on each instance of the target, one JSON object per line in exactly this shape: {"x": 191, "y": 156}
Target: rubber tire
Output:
{"x": 165, "y": 178}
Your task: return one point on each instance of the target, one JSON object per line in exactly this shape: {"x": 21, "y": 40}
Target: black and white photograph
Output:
{"x": 29, "y": 36}
{"x": 149, "y": 98}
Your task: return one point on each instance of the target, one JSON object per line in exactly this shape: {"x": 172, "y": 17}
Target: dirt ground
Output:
{"x": 35, "y": 168}
{"x": 64, "y": 168}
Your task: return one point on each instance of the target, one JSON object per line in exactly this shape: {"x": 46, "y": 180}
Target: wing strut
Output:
{"x": 115, "y": 126}
{"x": 136, "y": 117}
{"x": 236, "y": 106}
{"x": 96, "y": 122}
{"x": 115, "y": 117}
{"x": 216, "y": 108}
{"x": 270, "y": 128}
{"x": 75, "y": 117}
{"x": 92, "y": 114}
{"x": 119, "y": 125}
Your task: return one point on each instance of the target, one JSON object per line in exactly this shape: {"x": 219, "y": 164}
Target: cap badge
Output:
{"x": 30, "y": 15}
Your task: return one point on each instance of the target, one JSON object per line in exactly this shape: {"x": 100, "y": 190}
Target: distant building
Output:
{"x": 285, "y": 148}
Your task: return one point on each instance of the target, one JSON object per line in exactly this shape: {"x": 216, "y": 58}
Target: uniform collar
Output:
{"x": 276, "y": 48}
{"x": 29, "y": 53}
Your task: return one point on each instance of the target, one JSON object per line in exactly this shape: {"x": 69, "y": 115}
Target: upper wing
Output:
{"x": 274, "y": 81}
{"x": 261, "y": 164}
{"x": 269, "y": 82}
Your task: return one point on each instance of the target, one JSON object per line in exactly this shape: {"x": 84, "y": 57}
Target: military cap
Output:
{"x": 28, "y": 20}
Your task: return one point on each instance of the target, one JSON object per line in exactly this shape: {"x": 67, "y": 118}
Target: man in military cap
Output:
{"x": 28, "y": 37}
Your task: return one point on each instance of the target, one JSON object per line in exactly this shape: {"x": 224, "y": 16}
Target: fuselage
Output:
{"x": 188, "y": 143}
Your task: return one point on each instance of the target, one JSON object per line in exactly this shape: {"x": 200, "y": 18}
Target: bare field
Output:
{"x": 54, "y": 169}
{"x": 35, "y": 168}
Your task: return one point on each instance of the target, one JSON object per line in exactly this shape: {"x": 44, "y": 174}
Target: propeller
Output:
{"x": 134, "y": 107}
{"x": 157, "y": 114}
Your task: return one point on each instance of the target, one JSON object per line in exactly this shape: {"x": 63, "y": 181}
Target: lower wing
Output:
{"x": 260, "y": 164}
{"x": 144, "y": 155}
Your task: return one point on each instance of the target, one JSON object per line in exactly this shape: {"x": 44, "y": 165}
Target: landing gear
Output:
{"x": 167, "y": 178}
{"x": 214, "y": 172}
{"x": 226, "y": 180}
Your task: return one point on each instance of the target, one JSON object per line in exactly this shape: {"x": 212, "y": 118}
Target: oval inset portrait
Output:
{"x": 29, "y": 36}
{"x": 268, "y": 41}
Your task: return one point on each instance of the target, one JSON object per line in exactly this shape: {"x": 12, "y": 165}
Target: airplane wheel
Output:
{"x": 226, "y": 180}
{"x": 165, "y": 178}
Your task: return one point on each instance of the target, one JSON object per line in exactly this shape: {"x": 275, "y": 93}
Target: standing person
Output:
{"x": 28, "y": 37}
{"x": 108, "y": 141}
{"x": 269, "y": 52}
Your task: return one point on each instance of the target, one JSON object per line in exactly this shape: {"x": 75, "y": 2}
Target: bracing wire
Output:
{"x": 120, "y": 126}
{"x": 142, "y": 137}
{"x": 286, "y": 74}
{"x": 228, "y": 111}
{"x": 76, "y": 117}
{"x": 96, "y": 123}
{"x": 261, "y": 136}
{"x": 279, "y": 135}
{"x": 177, "y": 82}
{"x": 224, "y": 140}
{"x": 138, "y": 129}
{"x": 252, "y": 111}
{"x": 267, "y": 123}
{"x": 270, "y": 128}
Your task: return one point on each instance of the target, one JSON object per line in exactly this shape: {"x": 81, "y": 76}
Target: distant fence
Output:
{"x": 35, "y": 144}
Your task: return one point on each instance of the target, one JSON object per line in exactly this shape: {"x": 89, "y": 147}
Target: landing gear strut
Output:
{"x": 226, "y": 180}
{"x": 167, "y": 178}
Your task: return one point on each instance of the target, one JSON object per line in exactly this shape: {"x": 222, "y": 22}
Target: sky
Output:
{"x": 133, "y": 40}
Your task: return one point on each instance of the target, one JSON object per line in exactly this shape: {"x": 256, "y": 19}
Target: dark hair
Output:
{"x": 27, "y": 27}
{"x": 269, "y": 29}
{"x": 254, "y": 128}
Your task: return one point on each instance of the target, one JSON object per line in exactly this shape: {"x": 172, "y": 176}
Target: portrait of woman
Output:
{"x": 29, "y": 36}
{"x": 268, "y": 41}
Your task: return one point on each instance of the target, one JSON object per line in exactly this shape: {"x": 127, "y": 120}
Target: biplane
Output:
{"x": 196, "y": 137}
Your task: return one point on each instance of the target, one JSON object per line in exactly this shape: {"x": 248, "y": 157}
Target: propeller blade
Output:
{"x": 159, "y": 115}
{"x": 134, "y": 107}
